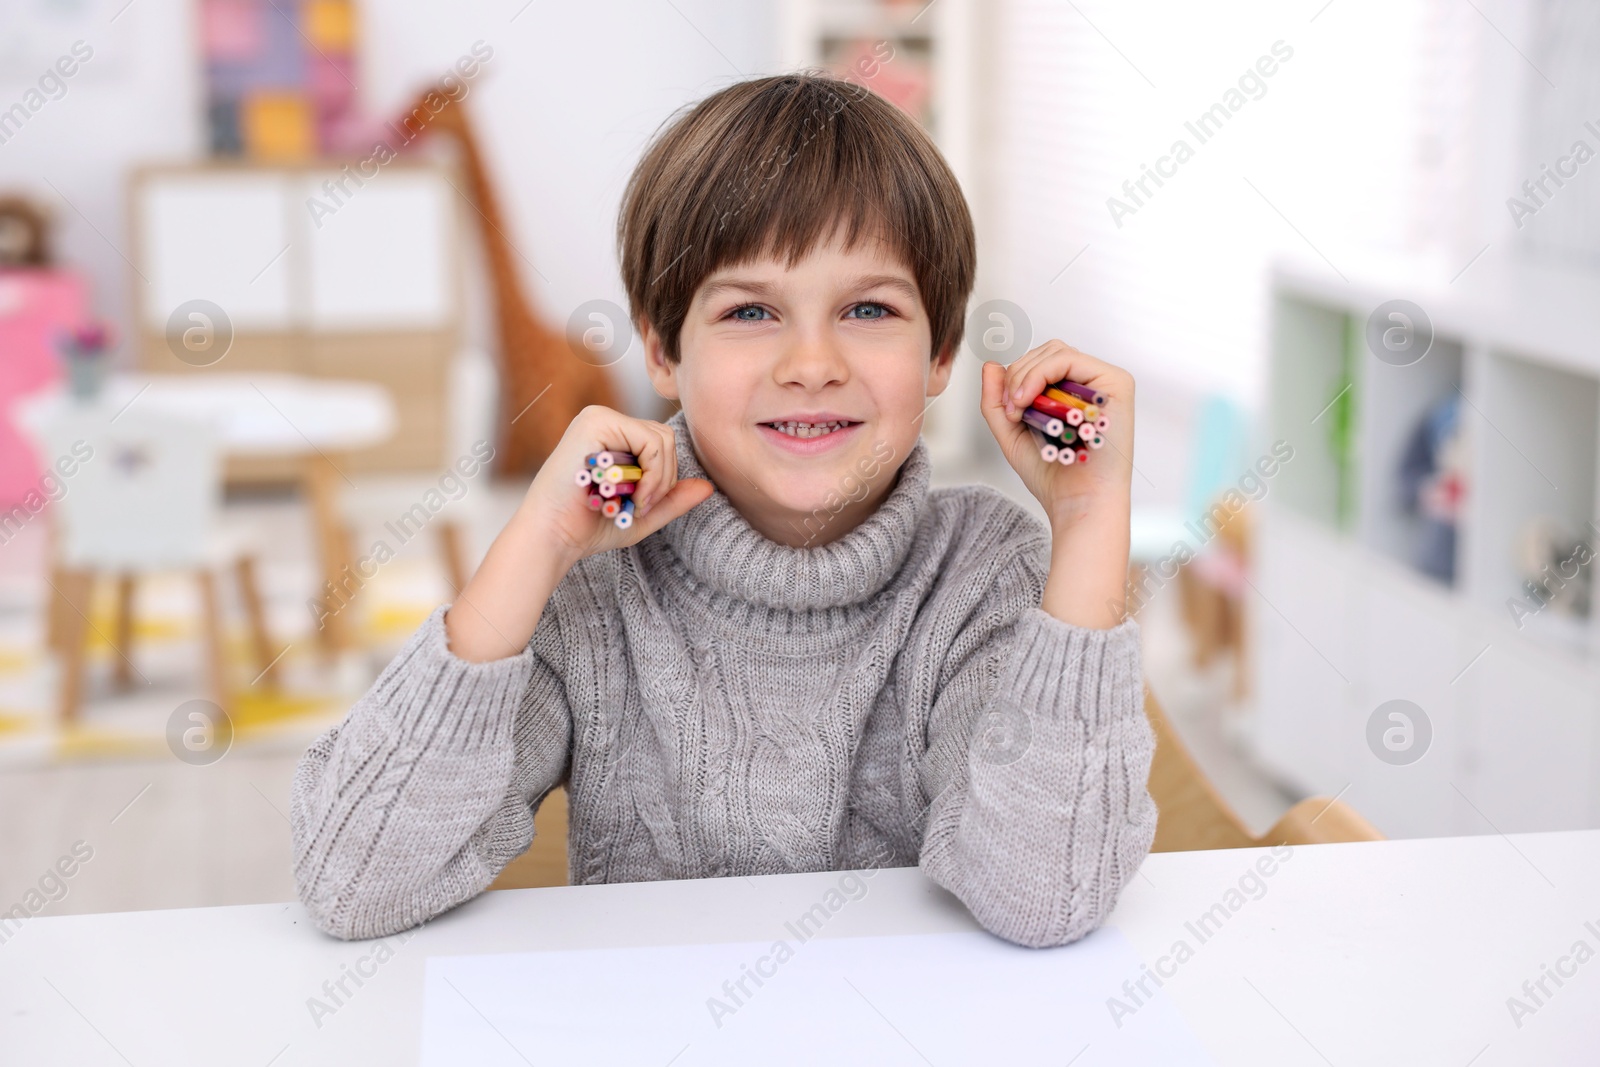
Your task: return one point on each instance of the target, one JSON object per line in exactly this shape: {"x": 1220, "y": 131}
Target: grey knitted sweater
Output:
{"x": 719, "y": 704}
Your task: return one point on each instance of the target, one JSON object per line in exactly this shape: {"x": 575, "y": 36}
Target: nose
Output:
{"x": 812, "y": 359}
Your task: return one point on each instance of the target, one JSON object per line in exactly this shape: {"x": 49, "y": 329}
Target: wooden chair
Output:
{"x": 545, "y": 862}
{"x": 1192, "y": 816}
{"x": 1211, "y": 595}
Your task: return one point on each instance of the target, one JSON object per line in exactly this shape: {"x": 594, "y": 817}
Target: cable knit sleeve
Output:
{"x": 428, "y": 788}
{"x": 1037, "y": 766}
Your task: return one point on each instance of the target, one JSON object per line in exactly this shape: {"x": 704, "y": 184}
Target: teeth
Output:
{"x": 807, "y": 429}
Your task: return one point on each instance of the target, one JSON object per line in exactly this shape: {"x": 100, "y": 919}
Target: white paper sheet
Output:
{"x": 944, "y": 999}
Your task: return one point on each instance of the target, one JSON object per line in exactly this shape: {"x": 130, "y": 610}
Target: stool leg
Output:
{"x": 211, "y": 621}
{"x": 74, "y": 590}
{"x": 450, "y": 548}
{"x": 122, "y": 632}
{"x": 256, "y": 612}
{"x": 321, "y": 481}
{"x": 58, "y": 611}
{"x": 1240, "y": 638}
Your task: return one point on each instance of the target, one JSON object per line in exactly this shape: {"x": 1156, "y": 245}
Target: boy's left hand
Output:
{"x": 1066, "y": 492}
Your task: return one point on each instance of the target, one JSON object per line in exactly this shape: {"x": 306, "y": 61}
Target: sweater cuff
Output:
{"x": 1062, "y": 669}
{"x": 449, "y": 702}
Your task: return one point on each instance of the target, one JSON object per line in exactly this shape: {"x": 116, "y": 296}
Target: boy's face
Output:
{"x": 839, "y": 341}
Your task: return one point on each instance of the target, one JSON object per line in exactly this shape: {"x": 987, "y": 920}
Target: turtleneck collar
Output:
{"x": 726, "y": 554}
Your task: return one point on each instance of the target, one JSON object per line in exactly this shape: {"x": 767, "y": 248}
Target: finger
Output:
{"x": 668, "y": 459}
{"x": 650, "y": 458}
{"x": 665, "y": 474}
{"x": 1057, "y": 360}
{"x": 1006, "y": 432}
{"x": 685, "y": 494}
{"x": 634, "y": 435}
{"x": 1030, "y": 374}
{"x": 1025, "y": 378}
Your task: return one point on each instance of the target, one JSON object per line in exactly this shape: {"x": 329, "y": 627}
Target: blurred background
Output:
{"x": 295, "y": 295}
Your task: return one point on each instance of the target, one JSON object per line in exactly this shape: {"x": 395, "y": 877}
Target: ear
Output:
{"x": 939, "y": 372}
{"x": 663, "y": 375}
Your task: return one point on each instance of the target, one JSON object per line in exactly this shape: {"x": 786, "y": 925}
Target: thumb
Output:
{"x": 992, "y": 403}
{"x": 685, "y": 494}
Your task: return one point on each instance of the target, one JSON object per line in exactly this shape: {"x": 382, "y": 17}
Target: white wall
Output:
{"x": 567, "y": 100}
{"x": 1347, "y": 151}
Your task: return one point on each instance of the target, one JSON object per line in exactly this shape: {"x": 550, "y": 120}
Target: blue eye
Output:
{"x": 871, "y": 311}
{"x": 750, "y": 313}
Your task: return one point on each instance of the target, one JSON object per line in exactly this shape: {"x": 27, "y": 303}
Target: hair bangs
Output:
{"x": 776, "y": 167}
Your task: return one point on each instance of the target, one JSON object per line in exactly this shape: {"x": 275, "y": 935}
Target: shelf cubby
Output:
{"x": 1306, "y": 403}
{"x": 1349, "y": 621}
{"x": 1535, "y": 441}
{"x": 1394, "y": 402}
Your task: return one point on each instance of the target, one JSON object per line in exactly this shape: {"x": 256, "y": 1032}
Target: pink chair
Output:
{"x": 35, "y": 306}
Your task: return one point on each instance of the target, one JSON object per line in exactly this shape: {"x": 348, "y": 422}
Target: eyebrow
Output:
{"x": 751, "y": 287}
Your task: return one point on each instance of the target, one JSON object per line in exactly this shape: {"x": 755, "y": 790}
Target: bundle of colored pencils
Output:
{"x": 1068, "y": 421}
{"x": 611, "y": 478}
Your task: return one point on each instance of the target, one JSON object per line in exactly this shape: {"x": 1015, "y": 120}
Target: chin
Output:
{"x": 809, "y": 494}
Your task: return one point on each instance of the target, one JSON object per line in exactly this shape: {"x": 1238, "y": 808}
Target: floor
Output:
{"x": 164, "y": 833}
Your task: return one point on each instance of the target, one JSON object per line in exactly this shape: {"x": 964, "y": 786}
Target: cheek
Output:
{"x": 716, "y": 382}
{"x": 900, "y": 395}
{"x": 893, "y": 348}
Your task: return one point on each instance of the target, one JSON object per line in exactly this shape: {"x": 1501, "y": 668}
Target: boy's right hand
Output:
{"x": 497, "y": 612}
{"x": 560, "y": 508}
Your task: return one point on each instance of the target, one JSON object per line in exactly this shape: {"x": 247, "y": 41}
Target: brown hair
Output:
{"x": 769, "y": 167}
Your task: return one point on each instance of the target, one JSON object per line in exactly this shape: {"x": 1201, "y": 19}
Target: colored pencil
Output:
{"x": 1067, "y": 423}
{"x": 1065, "y": 398}
{"x": 1083, "y": 392}
{"x": 1089, "y": 410}
{"x": 1049, "y": 424}
{"x": 1051, "y": 407}
{"x": 612, "y": 477}
{"x": 1040, "y": 441}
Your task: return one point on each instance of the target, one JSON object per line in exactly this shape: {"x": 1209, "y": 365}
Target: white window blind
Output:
{"x": 1356, "y": 144}
{"x": 1564, "y": 47}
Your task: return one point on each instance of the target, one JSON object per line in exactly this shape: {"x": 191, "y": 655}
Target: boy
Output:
{"x": 798, "y": 658}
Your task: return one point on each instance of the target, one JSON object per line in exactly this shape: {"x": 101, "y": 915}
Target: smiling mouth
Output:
{"x": 809, "y": 429}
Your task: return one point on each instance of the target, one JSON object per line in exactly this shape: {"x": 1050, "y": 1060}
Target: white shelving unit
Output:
{"x": 946, "y": 37}
{"x": 1345, "y": 620}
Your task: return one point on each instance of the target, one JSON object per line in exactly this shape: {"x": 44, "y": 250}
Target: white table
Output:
{"x": 1395, "y": 952}
{"x": 255, "y": 414}
{"x": 312, "y": 420}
